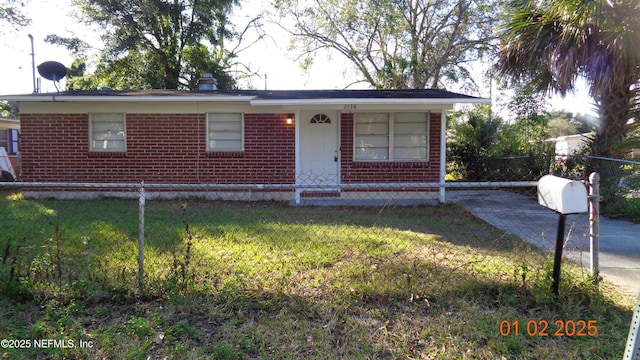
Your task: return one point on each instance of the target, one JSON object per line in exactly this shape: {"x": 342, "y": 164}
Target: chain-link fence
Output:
{"x": 360, "y": 250}
{"x": 518, "y": 168}
{"x": 620, "y": 186}
{"x": 174, "y": 222}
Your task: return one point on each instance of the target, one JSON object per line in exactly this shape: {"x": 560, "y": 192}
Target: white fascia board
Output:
{"x": 250, "y": 99}
{"x": 371, "y": 101}
{"x": 106, "y": 98}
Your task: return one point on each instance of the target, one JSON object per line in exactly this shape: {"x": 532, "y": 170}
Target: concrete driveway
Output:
{"x": 522, "y": 216}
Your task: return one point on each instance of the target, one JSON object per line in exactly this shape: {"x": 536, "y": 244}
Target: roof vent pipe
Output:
{"x": 207, "y": 82}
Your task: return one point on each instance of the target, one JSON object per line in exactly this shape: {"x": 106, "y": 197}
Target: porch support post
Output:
{"x": 297, "y": 147}
{"x": 443, "y": 155}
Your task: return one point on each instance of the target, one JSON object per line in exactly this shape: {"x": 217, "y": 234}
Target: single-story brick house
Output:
{"x": 324, "y": 138}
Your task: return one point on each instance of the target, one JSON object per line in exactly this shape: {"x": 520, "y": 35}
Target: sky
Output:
{"x": 270, "y": 56}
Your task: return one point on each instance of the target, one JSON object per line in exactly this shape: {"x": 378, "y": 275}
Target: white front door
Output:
{"x": 319, "y": 156}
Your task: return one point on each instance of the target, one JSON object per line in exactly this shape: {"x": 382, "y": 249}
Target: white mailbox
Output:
{"x": 562, "y": 195}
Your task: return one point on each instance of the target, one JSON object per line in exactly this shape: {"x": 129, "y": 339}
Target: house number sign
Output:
{"x": 349, "y": 107}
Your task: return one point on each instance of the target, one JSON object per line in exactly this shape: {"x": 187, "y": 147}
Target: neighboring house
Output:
{"x": 570, "y": 145}
{"x": 10, "y": 142}
{"x": 292, "y": 138}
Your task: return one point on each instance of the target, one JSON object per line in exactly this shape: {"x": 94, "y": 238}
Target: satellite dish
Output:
{"x": 52, "y": 70}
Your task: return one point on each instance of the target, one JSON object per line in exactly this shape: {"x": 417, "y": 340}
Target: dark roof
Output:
{"x": 360, "y": 94}
{"x": 141, "y": 93}
{"x": 278, "y": 94}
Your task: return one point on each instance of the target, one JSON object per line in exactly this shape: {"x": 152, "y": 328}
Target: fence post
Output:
{"x": 141, "y": 203}
{"x": 632, "y": 351}
{"x": 594, "y": 224}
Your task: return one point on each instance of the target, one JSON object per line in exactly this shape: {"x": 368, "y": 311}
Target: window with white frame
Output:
{"x": 225, "y": 132}
{"x": 400, "y": 136}
{"x": 371, "y": 137}
{"x": 107, "y": 132}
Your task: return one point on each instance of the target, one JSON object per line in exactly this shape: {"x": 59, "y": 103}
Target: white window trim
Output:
{"x": 224, "y": 150}
{"x": 391, "y": 117}
{"x": 14, "y": 139}
{"x": 92, "y": 149}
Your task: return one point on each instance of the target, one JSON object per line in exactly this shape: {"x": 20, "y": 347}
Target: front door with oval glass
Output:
{"x": 319, "y": 156}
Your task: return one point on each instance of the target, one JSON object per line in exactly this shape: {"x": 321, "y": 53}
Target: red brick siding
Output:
{"x": 364, "y": 172}
{"x": 161, "y": 148}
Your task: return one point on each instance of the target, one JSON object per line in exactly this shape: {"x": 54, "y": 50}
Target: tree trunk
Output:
{"x": 615, "y": 112}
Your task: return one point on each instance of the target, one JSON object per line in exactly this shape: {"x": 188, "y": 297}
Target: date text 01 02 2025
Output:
{"x": 558, "y": 328}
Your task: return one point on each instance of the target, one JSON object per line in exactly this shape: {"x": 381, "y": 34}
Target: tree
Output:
{"x": 6, "y": 110}
{"x": 11, "y": 14}
{"x": 158, "y": 43}
{"x": 548, "y": 44}
{"x": 563, "y": 123}
{"x": 395, "y": 43}
{"x": 529, "y": 128}
{"x": 471, "y": 141}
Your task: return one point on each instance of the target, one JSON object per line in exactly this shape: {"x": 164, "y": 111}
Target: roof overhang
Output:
{"x": 106, "y": 98}
{"x": 370, "y": 101}
{"x": 263, "y": 98}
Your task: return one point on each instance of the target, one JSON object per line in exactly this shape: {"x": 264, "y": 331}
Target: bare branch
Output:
{"x": 392, "y": 44}
{"x": 252, "y": 24}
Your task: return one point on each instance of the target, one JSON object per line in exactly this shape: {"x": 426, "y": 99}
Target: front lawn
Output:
{"x": 232, "y": 280}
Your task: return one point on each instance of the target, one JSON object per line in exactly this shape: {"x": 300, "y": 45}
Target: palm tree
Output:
{"x": 548, "y": 44}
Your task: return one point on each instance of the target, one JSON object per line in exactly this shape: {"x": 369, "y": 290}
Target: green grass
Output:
{"x": 265, "y": 280}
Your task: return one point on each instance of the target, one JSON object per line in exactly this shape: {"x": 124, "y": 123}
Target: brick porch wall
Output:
{"x": 161, "y": 148}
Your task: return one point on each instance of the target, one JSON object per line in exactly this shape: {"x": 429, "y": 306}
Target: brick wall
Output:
{"x": 171, "y": 148}
{"x": 161, "y": 148}
{"x": 363, "y": 172}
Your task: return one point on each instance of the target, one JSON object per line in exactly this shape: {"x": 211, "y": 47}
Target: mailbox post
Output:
{"x": 565, "y": 197}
